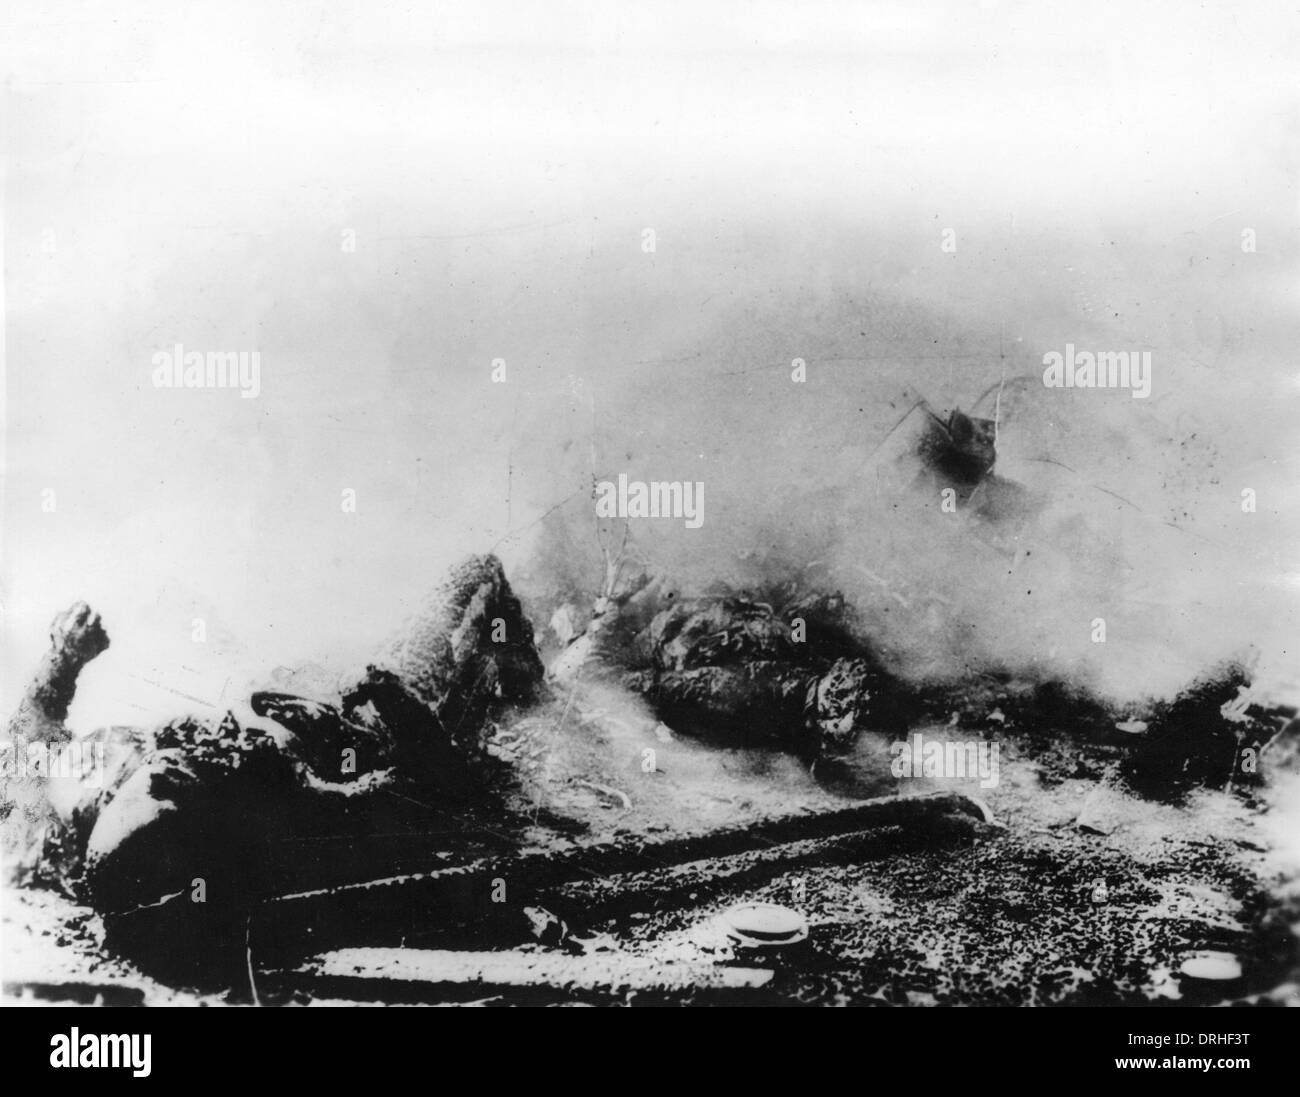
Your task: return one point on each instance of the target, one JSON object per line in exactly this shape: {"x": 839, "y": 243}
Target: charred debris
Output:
{"x": 383, "y": 815}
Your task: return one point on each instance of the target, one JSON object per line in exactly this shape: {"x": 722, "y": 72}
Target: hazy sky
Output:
{"x": 196, "y": 174}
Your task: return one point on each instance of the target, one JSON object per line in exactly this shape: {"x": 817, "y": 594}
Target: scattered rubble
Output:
{"x": 728, "y": 666}
{"x": 1191, "y": 742}
{"x": 346, "y": 820}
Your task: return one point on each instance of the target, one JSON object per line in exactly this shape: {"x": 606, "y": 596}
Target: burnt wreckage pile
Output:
{"x": 311, "y": 819}
{"x": 363, "y": 818}
{"x": 131, "y": 818}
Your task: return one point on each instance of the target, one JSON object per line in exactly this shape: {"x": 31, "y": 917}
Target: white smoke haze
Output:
{"x": 1134, "y": 526}
{"x": 1098, "y": 170}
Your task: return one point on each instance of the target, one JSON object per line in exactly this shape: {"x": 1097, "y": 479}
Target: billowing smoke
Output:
{"x": 380, "y": 246}
{"x": 1114, "y": 547}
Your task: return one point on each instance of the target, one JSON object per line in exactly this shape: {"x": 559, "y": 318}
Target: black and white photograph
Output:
{"x": 728, "y": 504}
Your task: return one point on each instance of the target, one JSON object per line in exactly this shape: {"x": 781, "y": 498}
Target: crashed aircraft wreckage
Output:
{"x": 232, "y": 808}
{"x": 329, "y": 815}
